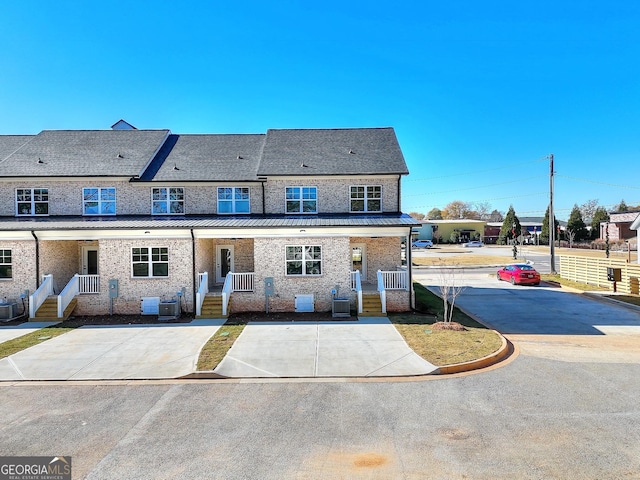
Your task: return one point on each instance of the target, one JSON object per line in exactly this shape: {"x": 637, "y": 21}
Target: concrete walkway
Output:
{"x": 9, "y": 332}
{"x": 368, "y": 347}
{"x": 110, "y": 352}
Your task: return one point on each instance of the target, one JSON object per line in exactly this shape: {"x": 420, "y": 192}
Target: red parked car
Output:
{"x": 519, "y": 273}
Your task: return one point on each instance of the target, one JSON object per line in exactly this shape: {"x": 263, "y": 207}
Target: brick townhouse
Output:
{"x": 126, "y": 220}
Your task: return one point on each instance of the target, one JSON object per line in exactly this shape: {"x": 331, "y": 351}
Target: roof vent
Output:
{"x": 303, "y": 165}
{"x": 175, "y": 167}
{"x": 120, "y": 155}
{"x": 40, "y": 161}
{"x": 351, "y": 152}
{"x": 239, "y": 157}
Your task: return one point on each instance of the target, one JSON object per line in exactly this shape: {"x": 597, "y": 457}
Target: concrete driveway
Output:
{"x": 368, "y": 347}
{"x": 109, "y": 352}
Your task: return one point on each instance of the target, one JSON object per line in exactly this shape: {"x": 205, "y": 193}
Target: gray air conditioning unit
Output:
{"x": 8, "y": 311}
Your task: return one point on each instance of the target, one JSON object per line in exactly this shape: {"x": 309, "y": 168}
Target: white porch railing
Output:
{"x": 356, "y": 284}
{"x": 203, "y": 289}
{"x": 242, "y": 282}
{"x": 395, "y": 280}
{"x": 227, "y": 290}
{"x": 391, "y": 280}
{"x": 40, "y": 295}
{"x": 88, "y": 283}
{"x": 67, "y": 294}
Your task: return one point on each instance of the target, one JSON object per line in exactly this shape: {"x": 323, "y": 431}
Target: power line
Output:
{"x": 474, "y": 188}
{"x": 506, "y": 167}
{"x": 598, "y": 183}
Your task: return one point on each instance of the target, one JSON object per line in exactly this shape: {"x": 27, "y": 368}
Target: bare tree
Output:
{"x": 449, "y": 291}
{"x": 482, "y": 210}
{"x": 571, "y": 236}
{"x": 588, "y": 209}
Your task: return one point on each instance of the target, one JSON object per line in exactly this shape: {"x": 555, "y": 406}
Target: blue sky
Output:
{"x": 479, "y": 92}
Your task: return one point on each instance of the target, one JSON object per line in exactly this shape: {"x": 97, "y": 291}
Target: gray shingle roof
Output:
{"x": 212, "y": 158}
{"x": 178, "y": 222}
{"x": 77, "y": 153}
{"x": 11, "y": 143}
{"x": 327, "y": 152}
{"x": 233, "y": 157}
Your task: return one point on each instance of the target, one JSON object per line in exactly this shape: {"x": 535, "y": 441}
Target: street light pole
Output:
{"x": 552, "y": 218}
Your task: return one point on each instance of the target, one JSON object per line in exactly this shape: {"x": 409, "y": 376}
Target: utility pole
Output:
{"x": 552, "y": 218}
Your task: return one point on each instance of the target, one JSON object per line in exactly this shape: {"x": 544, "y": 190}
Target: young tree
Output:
{"x": 449, "y": 290}
{"x": 599, "y": 216}
{"x": 510, "y": 227}
{"x": 434, "y": 214}
{"x": 576, "y": 225}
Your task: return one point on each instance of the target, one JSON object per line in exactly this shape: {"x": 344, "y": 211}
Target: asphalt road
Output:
{"x": 558, "y": 410}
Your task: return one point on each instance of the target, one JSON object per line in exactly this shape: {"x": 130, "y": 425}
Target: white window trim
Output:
{"x": 149, "y": 262}
{"x": 33, "y": 202}
{"x": 301, "y": 211}
{"x": 366, "y": 200}
{"x": 233, "y": 201}
{"x": 10, "y": 264}
{"x": 115, "y": 201}
{"x": 168, "y": 201}
{"x": 304, "y": 267}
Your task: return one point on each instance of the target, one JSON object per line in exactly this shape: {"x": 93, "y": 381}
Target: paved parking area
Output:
{"x": 369, "y": 347}
{"x": 549, "y": 322}
{"x": 113, "y": 352}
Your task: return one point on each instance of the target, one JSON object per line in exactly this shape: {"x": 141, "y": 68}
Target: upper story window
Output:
{"x": 304, "y": 259}
{"x": 150, "y": 262}
{"x": 233, "y": 200}
{"x": 5, "y": 264}
{"x": 98, "y": 201}
{"x": 301, "y": 200}
{"x": 32, "y": 201}
{"x": 167, "y": 201}
{"x": 366, "y": 198}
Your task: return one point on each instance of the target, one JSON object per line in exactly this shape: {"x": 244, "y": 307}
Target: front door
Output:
{"x": 89, "y": 260}
{"x": 224, "y": 262}
{"x": 359, "y": 260}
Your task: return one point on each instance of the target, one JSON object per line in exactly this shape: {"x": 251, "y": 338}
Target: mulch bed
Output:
{"x": 245, "y": 317}
{"x": 235, "y": 318}
{"x": 455, "y": 326}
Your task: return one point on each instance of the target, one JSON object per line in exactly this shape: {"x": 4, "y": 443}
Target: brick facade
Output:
{"x": 333, "y": 193}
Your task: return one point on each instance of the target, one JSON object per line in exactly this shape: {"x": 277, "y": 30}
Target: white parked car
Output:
{"x": 475, "y": 243}
{"x": 422, "y": 244}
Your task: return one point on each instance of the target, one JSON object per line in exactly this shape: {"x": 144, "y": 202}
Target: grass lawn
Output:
{"x": 632, "y": 299}
{"x": 218, "y": 345}
{"x": 556, "y": 278}
{"x": 443, "y": 347}
{"x": 34, "y": 338}
{"x": 462, "y": 260}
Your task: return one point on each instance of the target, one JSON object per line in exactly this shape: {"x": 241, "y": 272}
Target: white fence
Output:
{"x": 88, "y": 283}
{"x": 242, "y": 282}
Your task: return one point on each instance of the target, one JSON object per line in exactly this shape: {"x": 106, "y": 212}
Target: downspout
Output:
{"x": 407, "y": 254}
{"x": 399, "y": 194}
{"x": 37, "y": 259}
{"x": 193, "y": 269}
{"x": 263, "y": 199}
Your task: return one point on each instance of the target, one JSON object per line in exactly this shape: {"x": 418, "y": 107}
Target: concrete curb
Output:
{"x": 505, "y": 351}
